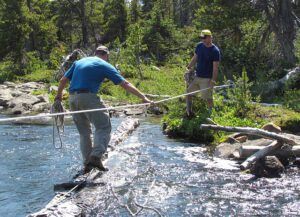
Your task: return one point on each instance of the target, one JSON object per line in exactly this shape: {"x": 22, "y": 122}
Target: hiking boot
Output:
{"x": 97, "y": 163}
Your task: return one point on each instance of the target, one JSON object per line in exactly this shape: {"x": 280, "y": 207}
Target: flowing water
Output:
{"x": 169, "y": 177}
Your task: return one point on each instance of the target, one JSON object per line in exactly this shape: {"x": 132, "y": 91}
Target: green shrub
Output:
{"x": 40, "y": 75}
{"x": 179, "y": 126}
{"x": 7, "y": 70}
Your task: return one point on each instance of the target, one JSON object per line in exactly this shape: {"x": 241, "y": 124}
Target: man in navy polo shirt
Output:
{"x": 86, "y": 76}
{"x": 207, "y": 57}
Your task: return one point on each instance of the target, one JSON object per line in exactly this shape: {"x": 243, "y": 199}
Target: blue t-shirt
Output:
{"x": 88, "y": 73}
{"x": 206, "y": 57}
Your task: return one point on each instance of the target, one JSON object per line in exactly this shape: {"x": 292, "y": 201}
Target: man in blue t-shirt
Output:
{"x": 86, "y": 76}
{"x": 207, "y": 57}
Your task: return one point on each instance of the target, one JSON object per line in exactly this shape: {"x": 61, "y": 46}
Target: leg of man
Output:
{"x": 194, "y": 86}
{"x": 101, "y": 121}
{"x": 84, "y": 128}
{"x": 207, "y": 94}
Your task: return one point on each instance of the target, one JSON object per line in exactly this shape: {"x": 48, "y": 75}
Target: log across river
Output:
{"x": 173, "y": 177}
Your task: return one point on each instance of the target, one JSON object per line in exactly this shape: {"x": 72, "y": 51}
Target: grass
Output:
{"x": 167, "y": 81}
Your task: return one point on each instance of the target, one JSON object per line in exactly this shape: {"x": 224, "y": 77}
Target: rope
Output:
{"x": 105, "y": 109}
{"x": 58, "y": 122}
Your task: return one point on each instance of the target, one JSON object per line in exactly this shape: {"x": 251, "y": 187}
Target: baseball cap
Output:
{"x": 205, "y": 32}
{"x": 103, "y": 48}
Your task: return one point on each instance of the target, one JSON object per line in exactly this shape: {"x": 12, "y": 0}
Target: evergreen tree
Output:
{"x": 115, "y": 20}
{"x": 135, "y": 11}
{"x": 43, "y": 34}
{"x": 14, "y": 31}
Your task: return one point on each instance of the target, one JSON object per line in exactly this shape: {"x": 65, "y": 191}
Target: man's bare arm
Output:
{"x": 62, "y": 84}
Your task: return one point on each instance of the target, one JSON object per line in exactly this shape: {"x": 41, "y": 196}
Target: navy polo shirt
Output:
{"x": 206, "y": 57}
{"x": 88, "y": 74}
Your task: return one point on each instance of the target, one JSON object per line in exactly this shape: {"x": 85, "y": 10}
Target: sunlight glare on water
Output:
{"x": 170, "y": 176}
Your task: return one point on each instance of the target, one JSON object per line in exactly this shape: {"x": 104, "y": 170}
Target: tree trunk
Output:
{"x": 280, "y": 16}
{"x": 253, "y": 131}
{"x": 247, "y": 151}
{"x": 84, "y": 24}
{"x": 260, "y": 154}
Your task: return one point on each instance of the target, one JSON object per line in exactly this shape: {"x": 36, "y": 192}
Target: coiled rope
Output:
{"x": 58, "y": 122}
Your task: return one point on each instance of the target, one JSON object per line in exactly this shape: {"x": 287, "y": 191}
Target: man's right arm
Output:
{"x": 62, "y": 84}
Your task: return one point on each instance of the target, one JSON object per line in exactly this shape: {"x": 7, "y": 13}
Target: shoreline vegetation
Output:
{"x": 232, "y": 106}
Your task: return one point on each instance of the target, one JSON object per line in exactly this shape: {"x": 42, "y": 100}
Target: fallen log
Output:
{"x": 253, "y": 131}
{"x": 246, "y": 151}
{"x": 65, "y": 205}
{"x": 260, "y": 154}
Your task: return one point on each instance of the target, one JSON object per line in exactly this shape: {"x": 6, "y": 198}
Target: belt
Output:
{"x": 80, "y": 91}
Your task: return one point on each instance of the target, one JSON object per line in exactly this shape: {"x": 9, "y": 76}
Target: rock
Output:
{"x": 9, "y": 84}
{"x": 5, "y": 97}
{"x": 236, "y": 137}
{"x": 271, "y": 127}
{"x": 242, "y": 138}
{"x": 225, "y": 150}
{"x": 269, "y": 167}
{"x": 16, "y": 93}
{"x": 43, "y": 98}
{"x": 130, "y": 112}
{"x": 41, "y": 107}
{"x": 53, "y": 89}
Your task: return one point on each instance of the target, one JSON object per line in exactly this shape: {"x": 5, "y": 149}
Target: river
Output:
{"x": 175, "y": 178}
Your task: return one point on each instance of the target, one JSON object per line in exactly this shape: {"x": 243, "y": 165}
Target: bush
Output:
{"x": 7, "y": 70}
{"x": 178, "y": 126}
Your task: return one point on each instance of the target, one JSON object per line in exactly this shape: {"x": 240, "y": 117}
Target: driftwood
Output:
{"x": 260, "y": 154}
{"x": 62, "y": 204}
{"x": 280, "y": 139}
{"x": 246, "y": 151}
{"x": 253, "y": 131}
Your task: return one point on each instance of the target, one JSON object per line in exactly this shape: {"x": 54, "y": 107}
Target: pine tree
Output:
{"x": 14, "y": 31}
{"x": 115, "y": 17}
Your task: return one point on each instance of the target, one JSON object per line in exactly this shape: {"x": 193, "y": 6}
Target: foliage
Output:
{"x": 39, "y": 75}
{"x": 240, "y": 96}
{"x": 7, "y": 70}
{"x": 179, "y": 126}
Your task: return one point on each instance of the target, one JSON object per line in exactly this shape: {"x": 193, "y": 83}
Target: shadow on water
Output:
{"x": 169, "y": 176}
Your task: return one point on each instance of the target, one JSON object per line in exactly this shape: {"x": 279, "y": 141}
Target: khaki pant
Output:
{"x": 84, "y": 121}
{"x": 201, "y": 83}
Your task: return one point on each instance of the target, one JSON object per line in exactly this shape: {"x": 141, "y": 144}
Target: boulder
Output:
{"x": 268, "y": 166}
{"x": 225, "y": 150}
{"x": 5, "y": 97}
{"x": 136, "y": 111}
{"x": 9, "y": 84}
{"x": 271, "y": 127}
{"x": 41, "y": 107}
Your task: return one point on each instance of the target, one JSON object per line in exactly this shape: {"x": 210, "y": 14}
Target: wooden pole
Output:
{"x": 252, "y": 131}
{"x": 246, "y": 151}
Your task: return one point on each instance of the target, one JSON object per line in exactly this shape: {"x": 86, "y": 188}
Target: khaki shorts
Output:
{"x": 199, "y": 84}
